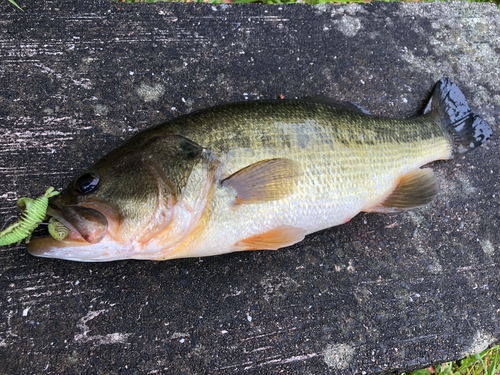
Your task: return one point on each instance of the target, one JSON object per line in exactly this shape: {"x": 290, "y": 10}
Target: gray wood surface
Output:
{"x": 381, "y": 293}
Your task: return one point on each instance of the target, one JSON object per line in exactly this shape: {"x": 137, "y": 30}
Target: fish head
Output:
{"x": 117, "y": 208}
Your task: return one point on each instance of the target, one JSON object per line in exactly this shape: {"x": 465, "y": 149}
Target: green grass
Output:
{"x": 15, "y": 4}
{"x": 484, "y": 363}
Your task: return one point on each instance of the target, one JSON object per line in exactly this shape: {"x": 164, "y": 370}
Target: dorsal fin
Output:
{"x": 337, "y": 103}
{"x": 415, "y": 189}
{"x": 264, "y": 181}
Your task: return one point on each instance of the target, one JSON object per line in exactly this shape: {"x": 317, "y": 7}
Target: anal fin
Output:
{"x": 283, "y": 236}
{"x": 416, "y": 188}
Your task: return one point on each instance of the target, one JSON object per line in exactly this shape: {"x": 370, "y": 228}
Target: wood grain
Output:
{"x": 381, "y": 293}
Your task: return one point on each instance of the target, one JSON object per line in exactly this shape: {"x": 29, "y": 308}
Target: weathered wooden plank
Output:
{"x": 380, "y": 293}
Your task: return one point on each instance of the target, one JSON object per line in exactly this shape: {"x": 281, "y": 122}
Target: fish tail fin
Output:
{"x": 465, "y": 129}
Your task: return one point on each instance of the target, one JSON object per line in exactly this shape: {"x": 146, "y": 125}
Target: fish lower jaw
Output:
{"x": 81, "y": 251}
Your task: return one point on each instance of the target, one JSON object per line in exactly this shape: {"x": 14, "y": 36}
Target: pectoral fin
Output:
{"x": 415, "y": 189}
{"x": 265, "y": 181}
{"x": 283, "y": 236}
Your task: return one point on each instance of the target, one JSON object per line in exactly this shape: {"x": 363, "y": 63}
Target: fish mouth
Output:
{"x": 87, "y": 227}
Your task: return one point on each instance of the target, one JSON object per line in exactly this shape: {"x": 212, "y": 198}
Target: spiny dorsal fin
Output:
{"x": 337, "y": 103}
{"x": 283, "y": 236}
{"x": 264, "y": 181}
{"x": 415, "y": 189}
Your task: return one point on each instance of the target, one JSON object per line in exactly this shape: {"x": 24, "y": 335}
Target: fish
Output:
{"x": 256, "y": 175}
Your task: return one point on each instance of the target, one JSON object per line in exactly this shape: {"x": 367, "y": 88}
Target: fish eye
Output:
{"x": 87, "y": 182}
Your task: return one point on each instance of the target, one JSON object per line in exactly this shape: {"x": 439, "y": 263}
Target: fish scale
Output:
{"x": 338, "y": 180}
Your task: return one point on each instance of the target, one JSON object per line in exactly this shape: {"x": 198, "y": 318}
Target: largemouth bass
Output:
{"x": 256, "y": 175}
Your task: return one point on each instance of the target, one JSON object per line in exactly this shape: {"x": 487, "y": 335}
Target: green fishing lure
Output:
{"x": 57, "y": 229}
{"x": 33, "y": 213}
